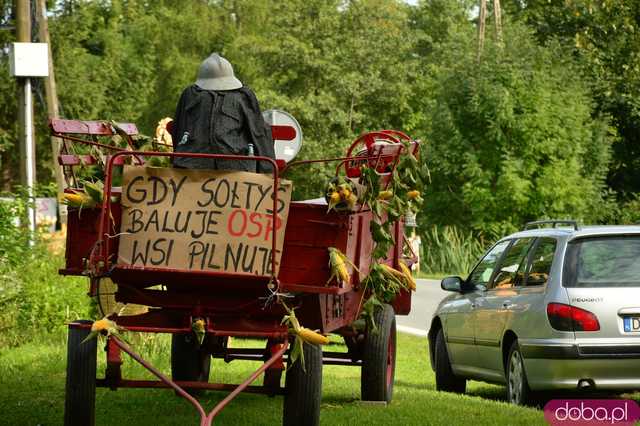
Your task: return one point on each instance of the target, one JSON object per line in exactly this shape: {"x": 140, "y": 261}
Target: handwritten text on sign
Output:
{"x": 201, "y": 220}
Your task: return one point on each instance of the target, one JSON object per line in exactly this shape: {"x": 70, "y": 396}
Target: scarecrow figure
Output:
{"x": 218, "y": 115}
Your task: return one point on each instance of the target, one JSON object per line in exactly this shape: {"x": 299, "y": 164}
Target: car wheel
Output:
{"x": 445, "y": 379}
{"x": 518, "y": 391}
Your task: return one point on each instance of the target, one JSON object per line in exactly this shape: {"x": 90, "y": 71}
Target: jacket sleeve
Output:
{"x": 177, "y": 130}
{"x": 260, "y": 132}
{"x": 178, "y": 123}
{"x": 177, "y": 120}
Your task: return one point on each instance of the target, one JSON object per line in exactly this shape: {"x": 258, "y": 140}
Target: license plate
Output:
{"x": 631, "y": 324}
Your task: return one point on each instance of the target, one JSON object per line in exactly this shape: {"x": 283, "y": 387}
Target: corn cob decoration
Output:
{"x": 411, "y": 283}
{"x": 77, "y": 200}
{"x": 403, "y": 277}
{"x": 92, "y": 196}
{"x": 400, "y": 197}
{"x": 393, "y": 274}
{"x": 385, "y": 195}
{"x": 338, "y": 266}
{"x": 385, "y": 282}
{"x": 412, "y": 195}
{"x": 198, "y": 328}
{"x": 340, "y": 195}
{"x": 304, "y": 335}
{"x": 95, "y": 190}
{"x": 312, "y": 337}
{"x": 105, "y": 325}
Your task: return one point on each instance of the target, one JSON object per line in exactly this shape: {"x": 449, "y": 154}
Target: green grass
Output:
{"x": 33, "y": 377}
{"x": 33, "y": 297}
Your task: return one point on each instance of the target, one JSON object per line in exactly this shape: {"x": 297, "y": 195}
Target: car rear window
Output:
{"x": 603, "y": 262}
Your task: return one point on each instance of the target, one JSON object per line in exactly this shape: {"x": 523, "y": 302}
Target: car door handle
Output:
{"x": 473, "y": 306}
{"x": 507, "y": 304}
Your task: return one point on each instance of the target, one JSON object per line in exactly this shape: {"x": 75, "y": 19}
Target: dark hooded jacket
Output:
{"x": 221, "y": 122}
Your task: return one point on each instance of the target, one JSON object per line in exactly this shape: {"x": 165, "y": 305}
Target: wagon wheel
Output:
{"x": 379, "y": 358}
{"x": 189, "y": 361}
{"x": 303, "y": 386}
{"x": 80, "y": 397}
{"x": 106, "y": 291}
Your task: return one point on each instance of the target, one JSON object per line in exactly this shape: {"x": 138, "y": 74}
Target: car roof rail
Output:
{"x": 554, "y": 223}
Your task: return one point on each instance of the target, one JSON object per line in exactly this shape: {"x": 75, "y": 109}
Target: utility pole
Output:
{"x": 25, "y": 114}
{"x": 52, "y": 104}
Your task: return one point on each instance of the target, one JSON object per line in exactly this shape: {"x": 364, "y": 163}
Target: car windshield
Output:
{"x": 603, "y": 262}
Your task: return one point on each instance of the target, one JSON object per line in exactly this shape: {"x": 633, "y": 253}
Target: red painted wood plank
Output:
{"x": 76, "y": 160}
{"x": 62, "y": 126}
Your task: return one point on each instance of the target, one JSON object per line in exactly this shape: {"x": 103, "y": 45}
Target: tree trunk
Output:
{"x": 481, "y": 23}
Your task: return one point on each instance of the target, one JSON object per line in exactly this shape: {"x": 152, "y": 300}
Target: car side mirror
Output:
{"x": 452, "y": 284}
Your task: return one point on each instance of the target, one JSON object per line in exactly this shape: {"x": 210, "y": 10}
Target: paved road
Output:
{"x": 423, "y": 303}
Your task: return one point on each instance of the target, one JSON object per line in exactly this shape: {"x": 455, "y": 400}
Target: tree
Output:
{"x": 604, "y": 35}
{"x": 512, "y": 137}
{"x": 340, "y": 67}
{"x": 9, "y": 151}
{"x": 345, "y": 67}
{"x": 126, "y": 60}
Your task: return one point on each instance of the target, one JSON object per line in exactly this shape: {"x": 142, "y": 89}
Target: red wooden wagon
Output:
{"x": 233, "y": 305}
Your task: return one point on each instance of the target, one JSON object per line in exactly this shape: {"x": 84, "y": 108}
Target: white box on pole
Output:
{"x": 29, "y": 60}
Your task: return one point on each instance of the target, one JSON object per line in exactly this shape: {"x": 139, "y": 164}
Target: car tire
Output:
{"x": 518, "y": 391}
{"x": 445, "y": 379}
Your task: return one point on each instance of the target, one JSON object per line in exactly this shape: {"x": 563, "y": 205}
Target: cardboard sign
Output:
{"x": 201, "y": 220}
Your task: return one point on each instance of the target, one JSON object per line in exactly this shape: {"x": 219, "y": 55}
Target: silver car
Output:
{"x": 544, "y": 309}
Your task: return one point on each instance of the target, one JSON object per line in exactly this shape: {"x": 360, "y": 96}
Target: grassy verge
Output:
{"x": 33, "y": 378}
{"x": 35, "y": 300}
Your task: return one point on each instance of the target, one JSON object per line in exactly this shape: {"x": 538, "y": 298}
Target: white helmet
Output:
{"x": 216, "y": 73}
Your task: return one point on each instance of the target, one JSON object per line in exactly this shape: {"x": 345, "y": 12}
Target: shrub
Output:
{"x": 514, "y": 137}
{"x": 34, "y": 299}
{"x": 14, "y": 248}
{"x": 449, "y": 250}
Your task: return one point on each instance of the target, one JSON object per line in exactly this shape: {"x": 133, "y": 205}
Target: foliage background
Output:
{"x": 544, "y": 125}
